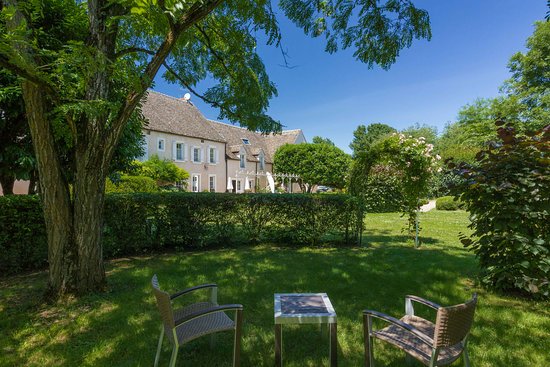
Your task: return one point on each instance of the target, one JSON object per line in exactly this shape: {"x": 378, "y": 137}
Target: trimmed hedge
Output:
{"x": 129, "y": 184}
{"x": 23, "y": 241}
{"x": 148, "y": 222}
{"x": 448, "y": 203}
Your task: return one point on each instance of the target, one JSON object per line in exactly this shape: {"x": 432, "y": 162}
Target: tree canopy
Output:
{"x": 365, "y": 136}
{"x": 524, "y": 104}
{"x": 86, "y": 66}
{"x": 316, "y": 164}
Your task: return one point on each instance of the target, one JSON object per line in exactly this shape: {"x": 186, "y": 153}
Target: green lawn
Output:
{"x": 120, "y": 327}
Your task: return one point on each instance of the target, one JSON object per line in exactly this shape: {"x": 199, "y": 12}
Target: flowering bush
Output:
{"x": 412, "y": 158}
{"x": 415, "y": 158}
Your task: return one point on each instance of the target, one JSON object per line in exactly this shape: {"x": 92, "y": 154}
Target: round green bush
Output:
{"x": 129, "y": 184}
{"x": 448, "y": 203}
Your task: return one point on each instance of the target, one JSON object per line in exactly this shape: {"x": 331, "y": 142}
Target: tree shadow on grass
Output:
{"x": 120, "y": 327}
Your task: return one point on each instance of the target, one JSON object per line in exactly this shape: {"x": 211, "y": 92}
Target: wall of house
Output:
{"x": 233, "y": 166}
{"x": 203, "y": 168}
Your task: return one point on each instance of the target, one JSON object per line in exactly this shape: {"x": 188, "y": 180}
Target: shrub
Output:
{"x": 23, "y": 241}
{"x": 448, "y": 203}
{"x": 164, "y": 171}
{"x": 129, "y": 184}
{"x": 146, "y": 222}
{"x": 508, "y": 195}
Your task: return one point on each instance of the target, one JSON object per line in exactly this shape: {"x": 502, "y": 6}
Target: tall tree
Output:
{"x": 365, "y": 136}
{"x": 316, "y": 164}
{"x": 429, "y": 133}
{"x": 321, "y": 140}
{"x": 87, "y": 88}
{"x": 528, "y": 90}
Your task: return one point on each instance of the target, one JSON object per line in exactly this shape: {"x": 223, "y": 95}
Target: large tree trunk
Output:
{"x": 89, "y": 194}
{"x": 7, "y": 183}
{"x": 56, "y": 201}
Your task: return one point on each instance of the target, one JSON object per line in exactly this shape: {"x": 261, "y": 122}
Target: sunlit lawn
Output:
{"x": 120, "y": 328}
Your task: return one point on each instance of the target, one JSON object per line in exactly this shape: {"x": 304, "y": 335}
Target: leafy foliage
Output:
{"x": 141, "y": 223}
{"x": 448, "y": 203}
{"x": 412, "y": 158}
{"x": 377, "y": 30}
{"x": 16, "y": 151}
{"x": 427, "y": 132}
{"x": 86, "y": 78}
{"x": 383, "y": 191}
{"x": 508, "y": 196}
{"x": 23, "y": 241}
{"x": 128, "y": 184}
{"x": 163, "y": 171}
{"x": 365, "y": 136}
{"x": 316, "y": 164}
{"x": 525, "y": 102}
{"x": 321, "y": 140}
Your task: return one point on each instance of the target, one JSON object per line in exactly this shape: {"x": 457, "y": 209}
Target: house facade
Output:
{"x": 219, "y": 157}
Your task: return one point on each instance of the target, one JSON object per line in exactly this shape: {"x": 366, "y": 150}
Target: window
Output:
{"x": 242, "y": 158}
{"x": 262, "y": 161}
{"x": 160, "y": 144}
{"x": 212, "y": 155}
{"x": 196, "y": 155}
{"x": 239, "y": 186}
{"x": 212, "y": 183}
{"x": 195, "y": 183}
{"x": 179, "y": 151}
{"x": 245, "y": 141}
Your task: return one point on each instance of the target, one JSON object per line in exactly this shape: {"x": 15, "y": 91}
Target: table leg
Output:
{"x": 333, "y": 346}
{"x": 278, "y": 345}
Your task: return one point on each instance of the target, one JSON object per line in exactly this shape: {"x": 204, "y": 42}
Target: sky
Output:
{"x": 330, "y": 95}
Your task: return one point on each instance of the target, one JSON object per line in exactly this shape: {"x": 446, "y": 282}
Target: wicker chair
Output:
{"x": 438, "y": 344}
{"x": 195, "y": 320}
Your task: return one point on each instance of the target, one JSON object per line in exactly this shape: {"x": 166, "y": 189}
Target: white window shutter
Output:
{"x": 174, "y": 153}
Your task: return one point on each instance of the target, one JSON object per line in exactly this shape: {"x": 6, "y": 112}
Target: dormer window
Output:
{"x": 245, "y": 141}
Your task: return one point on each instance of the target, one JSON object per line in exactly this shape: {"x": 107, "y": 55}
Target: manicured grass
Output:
{"x": 120, "y": 327}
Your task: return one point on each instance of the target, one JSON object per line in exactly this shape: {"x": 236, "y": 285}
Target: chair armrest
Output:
{"x": 392, "y": 320}
{"x": 222, "y": 308}
{"x": 192, "y": 289}
{"x": 423, "y": 301}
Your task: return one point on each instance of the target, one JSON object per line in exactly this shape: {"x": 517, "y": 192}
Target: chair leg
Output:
{"x": 367, "y": 329}
{"x": 238, "y": 335}
{"x": 159, "y": 347}
{"x": 174, "y": 356}
{"x": 466, "y": 358}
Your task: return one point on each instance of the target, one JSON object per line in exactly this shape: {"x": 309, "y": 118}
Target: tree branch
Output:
{"x": 30, "y": 76}
{"x": 133, "y": 49}
{"x": 196, "y": 13}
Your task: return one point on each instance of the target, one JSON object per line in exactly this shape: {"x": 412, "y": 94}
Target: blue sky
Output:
{"x": 330, "y": 95}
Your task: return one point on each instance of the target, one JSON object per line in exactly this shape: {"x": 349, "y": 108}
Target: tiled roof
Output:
{"x": 274, "y": 141}
{"x": 176, "y": 116}
{"x": 258, "y": 142}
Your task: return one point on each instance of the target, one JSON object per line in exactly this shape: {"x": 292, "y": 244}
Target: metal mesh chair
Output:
{"x": 195, "y": 320}
{"x": 438, "y": 344}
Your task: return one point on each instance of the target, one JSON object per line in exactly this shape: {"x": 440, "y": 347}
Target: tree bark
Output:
{"x": 62, "y": 254}
{"x": 7, "y": 183}
{"x": 74, "y": 223}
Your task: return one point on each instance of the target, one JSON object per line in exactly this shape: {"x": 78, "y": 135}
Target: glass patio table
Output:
{"x": 304, "y": 308}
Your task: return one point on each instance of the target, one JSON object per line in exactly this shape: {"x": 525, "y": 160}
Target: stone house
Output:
{"x": 219, "y": 157}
